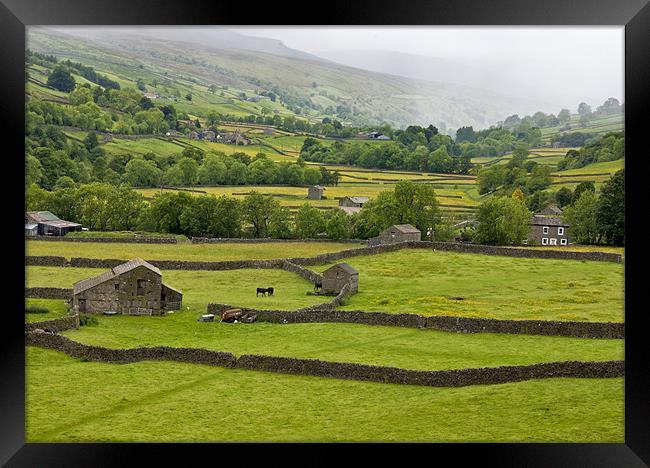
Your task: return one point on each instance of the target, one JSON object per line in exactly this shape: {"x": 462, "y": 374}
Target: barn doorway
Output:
{"x": 82, "y": 305}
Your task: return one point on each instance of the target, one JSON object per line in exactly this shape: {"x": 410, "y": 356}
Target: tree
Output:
{"x": 563, "y": 197}
{"x": 610, "y": 214}
{"x": 257, "y": 210}
{"x": 582, "y": 187}
{"x": 91, "y": 141}
{"x": 337, "y": 225}
{"x": 503, "y": 221}
{"x": 581, "y": 216}
{"x": 140, "y": 85}
{"x": 584, "y": 108}
{"x": 61, "y": 79}
{"x": 81, "y": 95}
{"x": 139, "y": 172}
{"x": 518, "y": 195}
{"x": 64, "y": 182}
{"x": 212, "y": 171}
{"x": 564, "y": 116}
{"x": 33, "y": 171}
{"x": 189, "y": 170}
{"x": 309, "y": 222}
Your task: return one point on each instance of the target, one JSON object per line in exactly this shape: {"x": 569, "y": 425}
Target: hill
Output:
{"x": 307, "y": 86}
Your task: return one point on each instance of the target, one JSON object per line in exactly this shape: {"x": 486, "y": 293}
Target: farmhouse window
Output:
{"x": 117, "y": 286}
{"x": 544, "y": 240}
{"x": 563, "y": 241}
{"x": 141, "y": 286}
{"x": 553, "y": 241}
{"x": 545, "y": 230}
{"x": 560, "y": 231}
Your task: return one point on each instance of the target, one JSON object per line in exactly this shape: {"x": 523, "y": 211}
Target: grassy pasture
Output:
{"x": 196, "y": 252}
{"x": 57, "y": 309}
{"x": 176, "y": 402}
{"x": 236, "y": 287}
{"x": 493, "y": 287}
{"x": 342, "y": 342}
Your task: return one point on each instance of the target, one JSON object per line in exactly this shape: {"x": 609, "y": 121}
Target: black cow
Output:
{"x": 265, "y": 291}
{"x": 318, "y": 286}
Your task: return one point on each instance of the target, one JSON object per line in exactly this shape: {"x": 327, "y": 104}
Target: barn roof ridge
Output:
{"x": 114, "y": 272}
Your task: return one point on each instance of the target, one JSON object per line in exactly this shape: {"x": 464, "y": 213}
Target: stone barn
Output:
{"x": 315, "y": 192}
{"x": 132, "y": 288}
{"x": 399, "y": 233}
{"x": 356, "y": 202}
{"x": 337, "y": 276}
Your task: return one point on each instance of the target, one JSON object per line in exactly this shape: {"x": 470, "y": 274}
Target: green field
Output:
{"x": 57, "y": 309}
{"x": 236, "y": 287}
{"x": 72, "y": 401}
{"x": 186, "y": 251}
{"x": 341, "y": 342}
{"x": 492, "y": 286}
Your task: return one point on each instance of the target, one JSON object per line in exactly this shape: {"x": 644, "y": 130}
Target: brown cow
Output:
{"x": 231, "y": 315}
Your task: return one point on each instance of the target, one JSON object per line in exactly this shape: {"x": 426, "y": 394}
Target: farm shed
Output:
{"x": 353, "y": 201}
{"x": 399, "y": 233}
{"x": 49, "y": 224}
{"x": 547, "y": 228}
{"x": 132, "y": 288}
{"x": 337, "y": 276}
{"x": 31, "y": 229}
{"x": 315, "y": 192}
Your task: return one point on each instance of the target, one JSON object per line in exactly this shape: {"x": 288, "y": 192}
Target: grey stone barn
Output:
{"x": 547, "y": 228}
{"x": 399, "y": 233}
{"x": 337, "y": 276}
{"x": 357, "y": 202}
{"x": 315, "y": 192}
{"x": 132, "y": 288}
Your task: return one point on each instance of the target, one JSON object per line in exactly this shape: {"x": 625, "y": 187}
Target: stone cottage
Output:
{"x": 315, "y": 192}
{"x": 337, "y": 276}
{"x": 399, "y": 233}
{"x": 547, "y": 228}
{"x": 132, "y": 288}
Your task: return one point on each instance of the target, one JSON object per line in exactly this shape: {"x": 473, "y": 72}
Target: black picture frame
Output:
{"x": 15, "y": 15}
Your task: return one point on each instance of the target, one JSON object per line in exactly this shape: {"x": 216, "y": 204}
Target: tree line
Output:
{"x": 100, "y": 206}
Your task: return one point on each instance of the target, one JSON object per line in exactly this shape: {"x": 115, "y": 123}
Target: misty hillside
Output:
{"x": 307, "y": 85}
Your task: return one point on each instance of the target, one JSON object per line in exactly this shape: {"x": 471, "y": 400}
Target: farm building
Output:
{"x": 353, "y": 201}
{"x": 547, "y": 228}
{"x": 399, "y": 233}
{"x": 315, "y": 192}
{"x": 132, "y": 288}
{"x": 236, "y": 138}
{"x": 337, "y": 276}
{"x": 31, "y": 229}
{"x": 48, "y": 224}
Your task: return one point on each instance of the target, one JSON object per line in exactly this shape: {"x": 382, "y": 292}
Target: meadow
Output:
{"x": 186, "y": 251}
{"x": 490, "y": 286}
{"x": 177, "y": 402}
{"x": 56, "y": 309}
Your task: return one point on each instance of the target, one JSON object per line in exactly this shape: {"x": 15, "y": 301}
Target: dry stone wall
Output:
{"x": 339, "y": 370}
{"x": 323, "y": 313}
{"x": 236, "y": 240}
{"x": 48, "y": 293}
{"x": 55, "y": 325}
{"x": 121, "y": 240}
{"x": 45, "y": 260}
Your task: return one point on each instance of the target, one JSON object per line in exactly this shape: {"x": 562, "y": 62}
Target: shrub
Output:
{"x": 36, "y": 309}
{"x": 85, "y": 319}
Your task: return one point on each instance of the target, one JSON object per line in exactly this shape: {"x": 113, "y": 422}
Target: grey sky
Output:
{"x": 563, "y": 64}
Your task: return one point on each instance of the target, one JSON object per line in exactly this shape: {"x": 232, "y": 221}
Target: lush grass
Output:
{"x": 57, "y": 308}
{"x": 580, "y": 248}
{"x": 127, "y": 234}
{"x": 236, "y": 287}
{"x": 497, "y": 287}
{"x": 197, "y": 252}
{"x": 72, "y": 401}
{"x": 366, "y": 344}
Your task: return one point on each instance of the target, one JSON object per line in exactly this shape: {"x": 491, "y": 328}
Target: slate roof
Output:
{"x": 60, "y": 223}
{"x": 538, "y": 220}
{"x": 550, "y": 210}
{"x": 41, "y": 216}
{"x": 31, "y": 226}
{"x": 172, "y": 288}
{"x": 345, "y": 267}
{"x": 359, "y": 199}
{"x": 405, "y": 228}
{"x": 86, "y": 284}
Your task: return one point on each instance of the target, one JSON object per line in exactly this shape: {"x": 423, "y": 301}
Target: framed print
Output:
{"x": 383, "y": 224}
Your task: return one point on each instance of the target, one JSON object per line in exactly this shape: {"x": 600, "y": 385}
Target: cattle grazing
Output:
{"x": 318, "y": 286}
{"x": 264, "y": 291}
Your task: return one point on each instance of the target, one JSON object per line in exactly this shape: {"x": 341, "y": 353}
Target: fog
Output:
{"x": 560, "y": 65}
